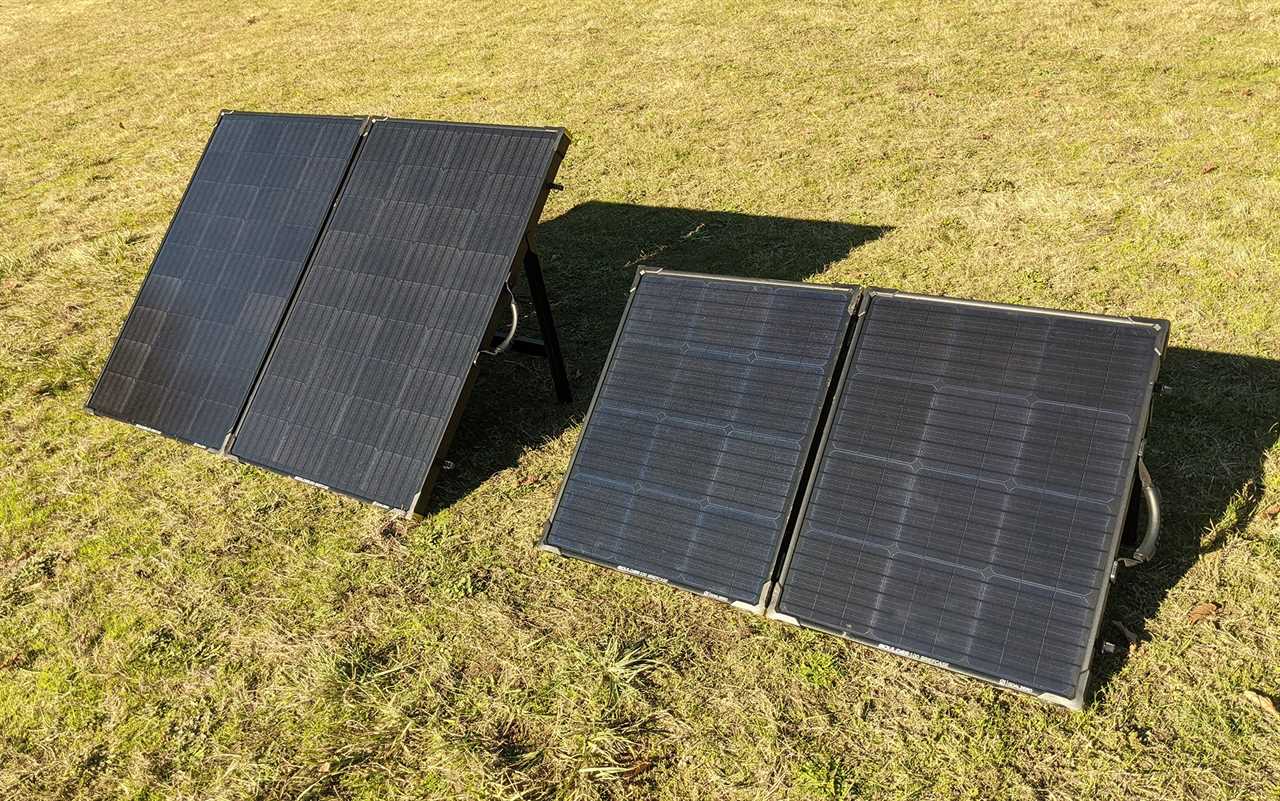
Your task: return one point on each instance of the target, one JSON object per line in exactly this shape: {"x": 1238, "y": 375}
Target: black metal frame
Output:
{"x": 548, "y": 344}
{"x": 1134, "y": 484}
{"x": 222, "y": 449}
{"x": 833, "y": 371}
{"x": 549, "y": 347}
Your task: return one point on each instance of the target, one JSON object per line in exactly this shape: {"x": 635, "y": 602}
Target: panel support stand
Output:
{"x": 549, "y": 345}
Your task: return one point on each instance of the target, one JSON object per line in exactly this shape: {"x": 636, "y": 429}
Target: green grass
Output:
{"x": 173, "y": 625}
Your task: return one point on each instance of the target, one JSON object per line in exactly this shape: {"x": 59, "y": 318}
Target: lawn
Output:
{"x": 175, "y": 625}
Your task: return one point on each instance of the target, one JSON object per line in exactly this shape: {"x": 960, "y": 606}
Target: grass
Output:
{"x": 177, "y": 626}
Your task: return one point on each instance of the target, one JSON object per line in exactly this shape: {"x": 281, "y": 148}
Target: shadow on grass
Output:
{"x": 1206, "y": 443}
{"x": 590, "y": 255}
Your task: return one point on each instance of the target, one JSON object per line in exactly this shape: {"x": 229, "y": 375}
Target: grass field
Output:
{"x": 173, "y": 625}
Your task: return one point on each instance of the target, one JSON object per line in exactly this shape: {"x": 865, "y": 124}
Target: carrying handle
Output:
{"x": 1151, "y": 494}
{"x": 511, "y": 332}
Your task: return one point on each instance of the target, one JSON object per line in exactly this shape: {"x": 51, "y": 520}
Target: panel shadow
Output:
{"x": 590, "y": 255}
{"x": 1206, "y": 444}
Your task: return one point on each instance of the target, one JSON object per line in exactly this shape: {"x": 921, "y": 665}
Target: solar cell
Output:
{"x": 375, "y": 357}
{"x": 691, "y": 455}
{"x": 966, "y": 504}
{"x": 204, "y": 318}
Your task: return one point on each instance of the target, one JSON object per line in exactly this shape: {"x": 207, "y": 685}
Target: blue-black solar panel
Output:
{"x": 200, "y": 327}
{"x": 691, "y": 455}
{"x": 374, "y": 358}
{"x": 967, "y": 501}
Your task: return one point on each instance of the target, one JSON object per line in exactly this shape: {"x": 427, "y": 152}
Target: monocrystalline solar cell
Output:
{"x": 967, "y": 501}
{"x": 692, "y": 452}
{"x": 375, "y": 356}
{"x": 203, "y": 320}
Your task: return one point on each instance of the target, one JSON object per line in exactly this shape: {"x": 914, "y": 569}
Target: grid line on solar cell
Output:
{"x": 373, "y": 360}
{"x": 688, "y": 463}
{"x": 967, "y": 499}
{"x": 200, "y": 327}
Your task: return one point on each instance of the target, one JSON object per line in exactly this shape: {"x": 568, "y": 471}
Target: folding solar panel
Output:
{"x": 374, "y": 360}
{"x": 203, "y": 320}
{"x": 692, "y": 451}
{"x": 967, "y": 501}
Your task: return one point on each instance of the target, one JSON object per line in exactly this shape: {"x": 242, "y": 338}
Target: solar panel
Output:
{"x": 203, "y": 320}
{"x": 967, "y": 501}
{"x": 373, "y": 361}
{"x": 691, "y": 455}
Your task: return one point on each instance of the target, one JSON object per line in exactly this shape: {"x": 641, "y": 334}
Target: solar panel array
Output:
{"x": 968, "y": 498}
{"x": 217, "y": 289}
{"x": 319, "y": 301}
{"x": 689, "y": 461}
{"x": 375, "y": 355}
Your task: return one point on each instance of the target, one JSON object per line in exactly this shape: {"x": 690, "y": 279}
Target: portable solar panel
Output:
{"x": 374, "y": 359}
{"x": 203, "y": 320}
{"x": 692, "y": 451}
{"x": 967, "y": 500}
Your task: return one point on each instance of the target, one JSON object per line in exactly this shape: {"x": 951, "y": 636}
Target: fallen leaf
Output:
{"x": 1203, "y": 611}
{"x": 1261, "y": 702}
{"x": 529, "y": 481}
{"x": 1208, "y": 168}
{"x": 1271, "y": 511}
{"x": 642, "y": 766}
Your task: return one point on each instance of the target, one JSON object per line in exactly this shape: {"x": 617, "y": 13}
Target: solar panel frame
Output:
{"x": 221, "y": 449}
{"x": 833, "y": 373}
{"x": 418, "y": 505}
{"x": 1115, "y": 536}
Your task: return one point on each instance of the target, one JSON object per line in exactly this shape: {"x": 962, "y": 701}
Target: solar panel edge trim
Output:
{"x": 223, "y": 450}
{"x": 302, "y": 276}
{"x": 290, "y": 308}
{"x": 591, "y": 407}
{"x": 88, "y": 404}
{"x": 564, "y": 132}
{"x": 760, "y": 605}
{"x": 835, "y": 400}
{"x": 1161, "y": 326}
{"x": 416, "y": 504}
{"x": 1076, "y": 700}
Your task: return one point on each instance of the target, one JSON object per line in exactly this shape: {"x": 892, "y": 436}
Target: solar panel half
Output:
{"x": 968, "y": 497}
{"x": 203, "y": 320}
{"x": 375, "y": 357}
{"x": 692, "y": 452}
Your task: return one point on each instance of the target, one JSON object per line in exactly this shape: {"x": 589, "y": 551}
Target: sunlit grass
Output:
{"x": 176, "y": 625}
